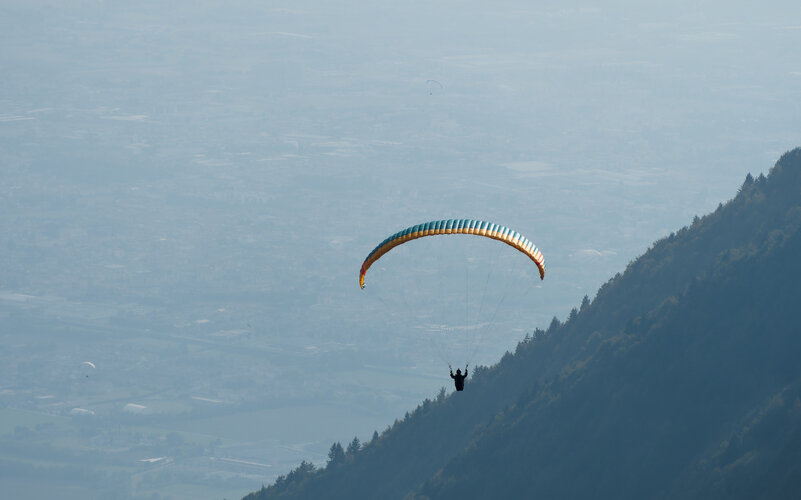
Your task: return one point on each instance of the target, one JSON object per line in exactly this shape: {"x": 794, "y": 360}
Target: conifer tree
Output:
{"x": 354, "y": 446}
{"x": 336, "y": 455}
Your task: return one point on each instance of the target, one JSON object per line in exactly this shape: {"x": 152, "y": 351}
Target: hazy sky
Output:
{"x": 213, "y": 173}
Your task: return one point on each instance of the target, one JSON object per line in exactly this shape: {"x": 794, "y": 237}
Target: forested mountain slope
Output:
{"x": 681, "y": 379}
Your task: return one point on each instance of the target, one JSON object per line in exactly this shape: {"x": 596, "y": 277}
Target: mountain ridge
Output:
{"x": 639, "y": 393}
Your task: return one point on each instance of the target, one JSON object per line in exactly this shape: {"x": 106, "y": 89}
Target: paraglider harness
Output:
{"x": 458, "y": 379}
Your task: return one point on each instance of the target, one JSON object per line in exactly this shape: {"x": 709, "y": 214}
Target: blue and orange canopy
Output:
{"x": 456, "y": 226}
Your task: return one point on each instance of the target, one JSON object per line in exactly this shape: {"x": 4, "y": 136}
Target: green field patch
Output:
{"x": 167, "y": 407}
{"x": 11, "y": 418}
{"x": 310, "y": 423}
{"x": 194, "y": 491}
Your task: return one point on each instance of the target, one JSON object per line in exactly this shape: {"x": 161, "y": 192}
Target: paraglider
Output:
{"x": 88, "y": 366}
{"x": 458, "y": 379}
{"x": 433, "y": 312}
{"x": 456, "y": 226}
{"x": 433, "y": 86}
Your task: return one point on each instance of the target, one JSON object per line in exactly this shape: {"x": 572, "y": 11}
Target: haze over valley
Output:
{"x": 187, "y": 193}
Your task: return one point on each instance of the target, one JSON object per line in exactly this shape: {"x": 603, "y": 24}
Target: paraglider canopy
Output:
{"x": 456, "y": 226}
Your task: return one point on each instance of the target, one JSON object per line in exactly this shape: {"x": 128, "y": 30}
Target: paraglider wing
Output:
{"x": 89, "y": 363}
{"x": 433, "y": 86}
{"x": 456, "y": 226}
